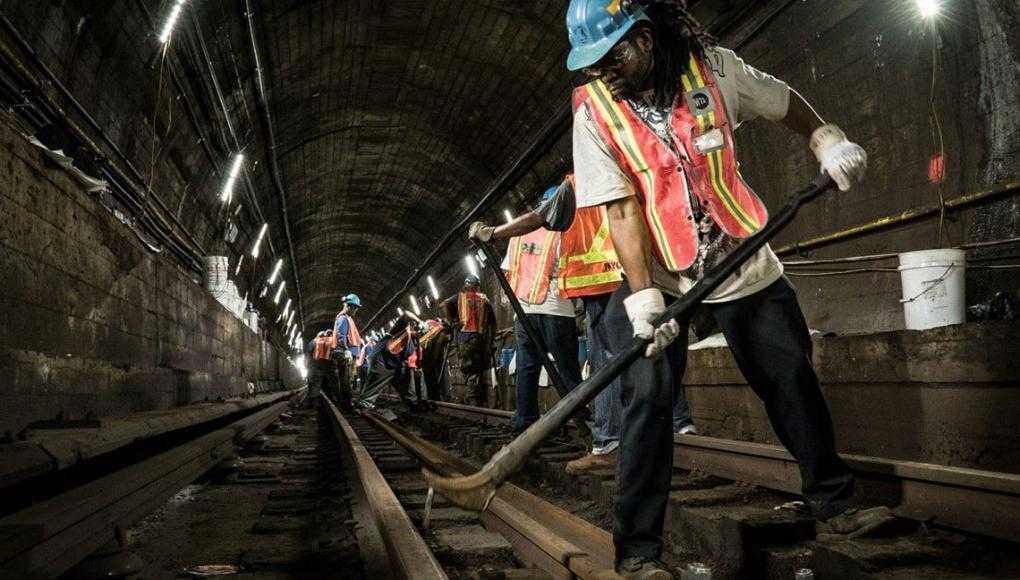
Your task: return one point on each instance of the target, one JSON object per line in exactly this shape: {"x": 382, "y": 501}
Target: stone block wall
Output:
{"x": 91, "y": 321}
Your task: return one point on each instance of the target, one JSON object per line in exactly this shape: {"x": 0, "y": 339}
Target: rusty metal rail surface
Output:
{"x": 405, "y": 554}
{"x": 972, "y": 500}
{"x": 544, "y": 535}
{"x": 50, "y": 537}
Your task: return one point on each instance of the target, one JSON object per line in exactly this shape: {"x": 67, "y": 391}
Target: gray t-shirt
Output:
{"x": 748, "y": 93}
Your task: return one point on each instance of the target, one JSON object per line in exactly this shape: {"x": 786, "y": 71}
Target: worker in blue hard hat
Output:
{"x": 348, "y": 344}
{"x": 653, "y": 143}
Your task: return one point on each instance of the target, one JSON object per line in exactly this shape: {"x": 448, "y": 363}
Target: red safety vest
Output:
{"x": 711, "y": 170}
{"x": 531, "y": 262}
{"x": 471, "y": 310}
{"x": 323, "y": 347}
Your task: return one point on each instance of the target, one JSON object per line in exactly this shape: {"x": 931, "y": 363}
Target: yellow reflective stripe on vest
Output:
{"x": 715, "y": 161}
{"x": 593, "y": 279}
{"x": 624, "y": 137}
{"x": 595, "y": 253}
{"x": 536, "y": 284}
{"x": 515, "y": 261}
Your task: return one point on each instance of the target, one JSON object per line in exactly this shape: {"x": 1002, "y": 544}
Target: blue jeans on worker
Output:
{"x": 608, "y": 412}
{"x": 560, "y": 335}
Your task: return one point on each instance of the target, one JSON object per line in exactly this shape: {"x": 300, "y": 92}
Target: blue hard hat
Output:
{"x": 353, "y": 300}
{"x": 595, "y": 26}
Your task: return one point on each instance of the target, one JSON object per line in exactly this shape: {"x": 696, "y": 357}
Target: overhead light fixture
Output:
{"x": 471, "y": 265}
{"x": 258, "y": 241}
{"x": 171, "y": 21}
{"x": 239, "y": 262}
{"x": 291, "y": 318}
{"x": 279, "y": 291}
{"x": 433, "y": 288}
{"x": 509, "y": 216}
{"x": 928, "y": 8}
{"x": 400, "y": 311}
{"x": 414, "y": 305}
{"x": 265, "y": 290}
{"x": 228, "y": 188}
{"x": 286, "y": 308}
{"x": 276, "y": 271}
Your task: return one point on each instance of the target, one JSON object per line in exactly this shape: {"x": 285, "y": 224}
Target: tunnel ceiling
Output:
{"x": 391, "y": 118}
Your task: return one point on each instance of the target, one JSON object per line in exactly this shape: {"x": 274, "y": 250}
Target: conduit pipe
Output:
{"x": 274, "y": 167}
{"x": 138, "y": 178}
{"x": 904, "y": 217}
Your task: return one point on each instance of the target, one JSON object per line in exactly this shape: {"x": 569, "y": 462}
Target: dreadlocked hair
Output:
{"x": 677, "y": 35}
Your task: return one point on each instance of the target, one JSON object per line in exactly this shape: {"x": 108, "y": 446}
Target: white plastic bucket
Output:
{"x": 933, "y": 288}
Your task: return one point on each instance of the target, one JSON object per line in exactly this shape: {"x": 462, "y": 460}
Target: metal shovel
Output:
{"x": 477, "y": 490}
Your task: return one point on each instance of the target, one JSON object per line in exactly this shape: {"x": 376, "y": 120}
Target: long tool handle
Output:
{"x": 475, "y": 491}
{"x": 492, "y": 262}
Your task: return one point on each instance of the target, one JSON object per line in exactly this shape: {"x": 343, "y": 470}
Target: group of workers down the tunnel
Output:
{"x": 641, "y": 289}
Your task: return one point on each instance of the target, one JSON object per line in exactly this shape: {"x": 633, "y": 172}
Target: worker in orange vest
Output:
{"x": 348, "y": 344}
{"x": 321, "y": 370}
{"x": 475, "y": 331}
{"x": 653, "y": 142}
{"x": 589, "y": 271}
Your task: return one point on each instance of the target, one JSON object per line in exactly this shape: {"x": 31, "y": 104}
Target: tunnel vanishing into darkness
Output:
{"x": 183, "y": 207}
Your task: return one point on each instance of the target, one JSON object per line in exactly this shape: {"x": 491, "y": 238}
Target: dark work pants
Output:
{"x": 770, "y": 342}
{"x": 560, "y": 335}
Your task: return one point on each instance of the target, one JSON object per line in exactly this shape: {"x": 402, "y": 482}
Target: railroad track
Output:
{"x": 740, "y": 483}
{"x": 518, "y": 528}
{"x": 47, "y": 538}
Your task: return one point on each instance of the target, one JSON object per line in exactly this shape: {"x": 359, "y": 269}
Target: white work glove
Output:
{"x": 348, "y": 357}
{"x": 643, "y": 307}
{"x": 480, "y": 231}
{"x": 844, "y": 161}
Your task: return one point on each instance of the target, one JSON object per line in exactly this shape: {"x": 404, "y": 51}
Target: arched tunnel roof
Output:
{"x": 392, "y": 118}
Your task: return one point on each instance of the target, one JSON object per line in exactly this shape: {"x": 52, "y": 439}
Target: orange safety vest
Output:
{"x": 710, "y": 170}
{"x": 353, "y": 336}
{"x": 589, "y": 265}
{"x": 323, "y": 347}
{"x": 531, "y": 262}
{"x": 471, "y": 310}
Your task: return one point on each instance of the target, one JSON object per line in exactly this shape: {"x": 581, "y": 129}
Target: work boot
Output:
{"x": 854, "y": 522}
{"x": 591, "y": 462}
{"x": 642, "y": 569}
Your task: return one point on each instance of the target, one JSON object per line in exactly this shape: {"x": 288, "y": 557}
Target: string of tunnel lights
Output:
{"x": 226, "y": 197}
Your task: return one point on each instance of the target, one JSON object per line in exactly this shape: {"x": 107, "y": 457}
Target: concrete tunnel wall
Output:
{"x": 90, "y": 321}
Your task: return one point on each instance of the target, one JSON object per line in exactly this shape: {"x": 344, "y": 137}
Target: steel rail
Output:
{"x": 544, "y": 535}
{"x": 972, "y": 500}
{"x": 406, "y": 553}
{"x": 48, "y": 538}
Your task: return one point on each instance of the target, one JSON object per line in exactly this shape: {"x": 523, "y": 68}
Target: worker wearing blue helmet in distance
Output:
{"x": 348, "y": 344}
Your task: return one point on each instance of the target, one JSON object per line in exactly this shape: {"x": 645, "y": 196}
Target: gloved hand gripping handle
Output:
{"x": 477, "y": 490}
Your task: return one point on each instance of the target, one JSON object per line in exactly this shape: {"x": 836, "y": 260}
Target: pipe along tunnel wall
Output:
{"x": 91, "y": 321}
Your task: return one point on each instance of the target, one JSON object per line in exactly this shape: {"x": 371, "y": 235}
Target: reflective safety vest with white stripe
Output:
{"x": 532, "y": 257}
{"x": 708, "y": 164}
{"x": 588, "y": 262}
